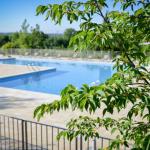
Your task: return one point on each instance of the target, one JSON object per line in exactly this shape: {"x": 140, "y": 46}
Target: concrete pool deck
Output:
{"x": 21, "y": 104}
{"x": 7, "y": 70}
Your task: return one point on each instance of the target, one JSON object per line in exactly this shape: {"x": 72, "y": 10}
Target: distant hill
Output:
{"x": 7, "y": 33}
{"x": 49, "y": 34}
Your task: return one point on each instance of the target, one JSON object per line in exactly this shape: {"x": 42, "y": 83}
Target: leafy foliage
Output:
{"x": 36, "y": 39}
{"x": 4, "y": 39}
{"x": 128, "y": 89}
{"x": 69, "y": 33}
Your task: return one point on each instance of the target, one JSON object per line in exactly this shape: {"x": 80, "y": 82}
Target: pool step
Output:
{"x": 7, "y": 59}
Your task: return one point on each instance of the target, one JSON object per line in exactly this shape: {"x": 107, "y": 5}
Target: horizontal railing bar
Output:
{"x": 33, "y": 122}
{"x": 46, "y": 125}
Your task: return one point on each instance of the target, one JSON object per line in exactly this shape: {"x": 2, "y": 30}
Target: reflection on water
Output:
{"x": 26, "y": 79}
{"x": 104, "y": 73}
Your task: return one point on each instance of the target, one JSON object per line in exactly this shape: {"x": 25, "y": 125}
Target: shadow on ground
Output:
{"x": 13, "y": 102}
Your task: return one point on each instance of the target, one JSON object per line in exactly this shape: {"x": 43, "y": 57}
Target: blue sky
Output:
{"x": 13, "y": 12}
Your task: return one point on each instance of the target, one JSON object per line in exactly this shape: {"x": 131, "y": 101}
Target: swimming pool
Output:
{"x": 67, "y": 72}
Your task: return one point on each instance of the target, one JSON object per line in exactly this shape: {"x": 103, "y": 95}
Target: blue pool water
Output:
{"x": 67, "y": 72}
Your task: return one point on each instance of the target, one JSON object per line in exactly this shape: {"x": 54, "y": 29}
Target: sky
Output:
{"x": 13, "y": 13}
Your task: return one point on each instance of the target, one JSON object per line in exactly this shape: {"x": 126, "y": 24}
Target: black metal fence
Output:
{"x": 19, "y": 134}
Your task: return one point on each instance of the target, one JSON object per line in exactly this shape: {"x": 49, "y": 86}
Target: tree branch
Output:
{"x": 101, "y": 14}
{"x": 134, "y": 67}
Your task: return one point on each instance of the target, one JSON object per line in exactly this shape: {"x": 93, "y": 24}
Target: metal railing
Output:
{"x": 19, "y": 134}
{"x": 90, "y": 54}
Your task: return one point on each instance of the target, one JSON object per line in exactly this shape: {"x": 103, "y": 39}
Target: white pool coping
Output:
{"x": 8, "y": 70}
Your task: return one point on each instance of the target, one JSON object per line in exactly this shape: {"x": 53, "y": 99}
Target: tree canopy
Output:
{"x": 125, "y": 30}
{"x": 4, "y": 39}
{"x": 33, "y": 37}
{"x": 69, "y": 33}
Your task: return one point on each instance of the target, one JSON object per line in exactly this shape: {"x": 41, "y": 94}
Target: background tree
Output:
{"x": 37, "y": 38}
{"x": 69, "y": 33}
{"x": 130, "y": 85}
{"x": 4, "y": 39}
{"x": 14, "y": 37}
{"x": 25, "y": 26}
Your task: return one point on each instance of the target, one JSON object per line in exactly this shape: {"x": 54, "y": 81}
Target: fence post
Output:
{"x": 81, "y": 143}
{"x": 94, "y": 144}
{"x": 76, "y": 143}
{"x": 26, "y": 135}
{"x": 22, "y": 131}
